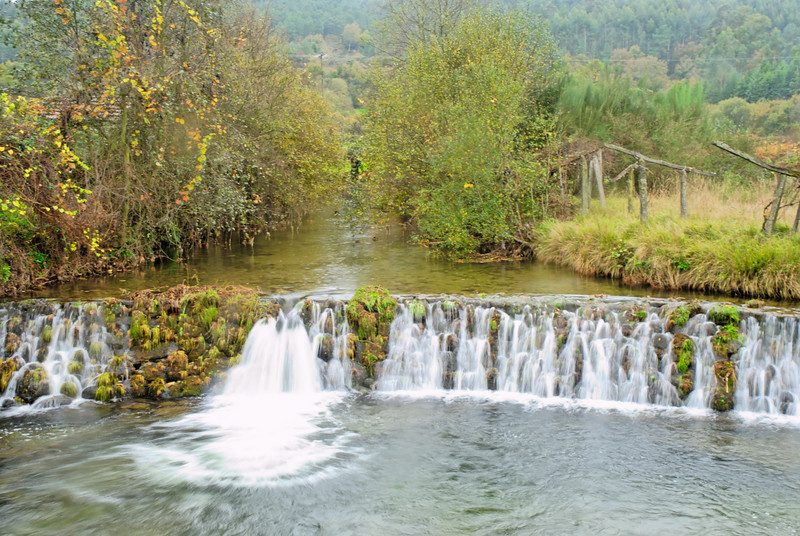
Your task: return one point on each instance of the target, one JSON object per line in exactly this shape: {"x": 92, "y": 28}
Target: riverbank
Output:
{"x": 719, "y": 251}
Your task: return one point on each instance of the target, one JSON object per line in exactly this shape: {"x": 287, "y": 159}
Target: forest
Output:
{"x": 133, "y": 131}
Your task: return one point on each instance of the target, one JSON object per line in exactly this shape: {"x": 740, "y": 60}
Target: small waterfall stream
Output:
{"x": 57, "y": 349}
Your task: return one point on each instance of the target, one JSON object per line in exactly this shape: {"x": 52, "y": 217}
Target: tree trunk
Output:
{"x": 643, "y": 194}
{"x": 683, "y": 193}
{"x": 586, "y": 191}
{"x": 769, "y": 225}
{"x": 796, "y": 225}
{"x": 598, "y": 176}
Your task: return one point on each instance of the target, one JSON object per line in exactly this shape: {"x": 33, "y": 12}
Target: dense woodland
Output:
{"x": 133, "y": 130}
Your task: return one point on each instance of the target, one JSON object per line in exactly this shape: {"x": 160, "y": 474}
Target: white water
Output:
{"x": 597, "y": 360}
{"x": 77, "y": 335}
{"x": 586, "y": 355}
{"x": 271, "y": 424}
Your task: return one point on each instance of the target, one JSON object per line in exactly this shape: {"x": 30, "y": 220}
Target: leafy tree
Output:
{"x": 450, "y": 129}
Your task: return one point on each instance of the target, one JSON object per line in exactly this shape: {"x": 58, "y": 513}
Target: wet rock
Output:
{"x": 69, "y": 389}
{"x": 660, "y": 343}
{"x": 33, "y": 384}
{"x": 326, "y": 344}
{"x": 451, "y": 342}
{"x": 491, "y": 379}
{"x": 787, "y": 404}
{"x": 12, "y": 343}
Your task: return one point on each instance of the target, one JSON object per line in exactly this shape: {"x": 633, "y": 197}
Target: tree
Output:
{"x": 450, "y": 130}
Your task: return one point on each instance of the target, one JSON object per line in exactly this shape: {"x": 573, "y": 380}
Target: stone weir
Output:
{"x": 180, "y": 341}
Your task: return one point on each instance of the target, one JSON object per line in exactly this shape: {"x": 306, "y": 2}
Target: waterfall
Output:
{"x": 50, "y": 353}
{"x": 282, "y": 356}
{"x": 591, "y": 353}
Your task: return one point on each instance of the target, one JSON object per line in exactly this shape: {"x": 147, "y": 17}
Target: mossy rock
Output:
{"x": 156, "y": 388}
{"x": 683, "y": 352}
{"x": 678, "y": 317}
{"x": 371, "y": 312}
{"x": 47, "y": 334}
{"x": 33, "y": 384}
{"x": 193, "y": 347}
{"x": 12, "y": 343}
{"x": 153, "y": 371}
{"x": 7, "y": 369}
{"x": 723, "y": 315}
{"x": 193, "y": 386}
{"x": 138, "y": 386}
{"x": 69, "y": 389}
{"x": 417, "y": 309}
{"x": 726, "y": 341}
{"x": 725, "y": 377}
{"x": 108, "y": 388}
{"x": 686, "y": 384}
{"x": 176, "y": 365}
{"x": 635, "y": 313}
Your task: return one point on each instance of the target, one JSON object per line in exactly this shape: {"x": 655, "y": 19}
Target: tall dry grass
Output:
{"x": 718, "y": 248}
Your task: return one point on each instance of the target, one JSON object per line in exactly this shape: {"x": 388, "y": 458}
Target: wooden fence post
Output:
{"x": 631, "y": 180}
{"x": 683, "y": 193}
{"x": 586, "y": 191}
{"x": 642, "y": 172}
{"x": 598, "y": 175}
{"x": 769, "y": 225}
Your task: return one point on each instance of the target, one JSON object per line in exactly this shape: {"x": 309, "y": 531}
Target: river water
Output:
{"x": 280, "y": 448}
{"x": 323, "y": 257}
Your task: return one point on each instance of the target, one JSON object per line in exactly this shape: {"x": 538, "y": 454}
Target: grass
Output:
{"x": 718, "y": 248}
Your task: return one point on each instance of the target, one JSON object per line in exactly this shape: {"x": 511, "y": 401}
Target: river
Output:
{"x": 257, "y": 457}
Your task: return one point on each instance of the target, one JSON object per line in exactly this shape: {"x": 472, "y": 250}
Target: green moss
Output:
{"x": 202, "y": 300}
{"x": 641, "y": 315}
{"x": 7, "y": 369}
{"x": 139, "y": 330}
{"x": 75, "y": 368}
{"x": 208, "y": 316}
{"x": 69, "y": 389}
{"x": 138, "y": 385}
{"x": 156, "y": 387}
{"x": 370, "y": 309}
{"x": 417, "y": 309}
{"x": 680, "y": 316}
{"x": 47, "y": 334}
{"x": 721, "y": 342}
{"x": 724, "y": 315}
{"x": 685, "y": 356}
{"x": 448, "y": 305}
{"x": 105, "y": 380}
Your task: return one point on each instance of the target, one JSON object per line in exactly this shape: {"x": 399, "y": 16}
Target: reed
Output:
{"x": 720, "y": 249}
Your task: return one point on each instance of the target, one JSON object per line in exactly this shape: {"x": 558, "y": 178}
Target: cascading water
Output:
{"x": 591, "y": 354}
{"x": 52, "y": 351}
{"x": 271, "y": 423}
{"x": 281, "y": 356}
